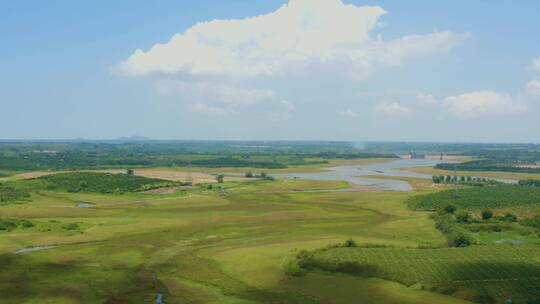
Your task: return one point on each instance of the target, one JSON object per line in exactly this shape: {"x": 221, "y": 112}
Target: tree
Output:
{"x": 449, "y": 209}
{"x": 263, "y": 175}
{"x": 350, "y": 243}
{"x": 509, "y": 217}
{"x": 249, "y": 174}
{"x": 460, "y": 239}
{"x": 436, "y": 179}
{"x": 487, "y": 214}
{"x": 130, "y": 172}
{"x": 220, "y": 178}
{"x": 463, "y": 217}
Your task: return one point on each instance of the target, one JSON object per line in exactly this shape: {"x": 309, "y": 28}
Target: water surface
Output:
{"x": 352, "y": 173}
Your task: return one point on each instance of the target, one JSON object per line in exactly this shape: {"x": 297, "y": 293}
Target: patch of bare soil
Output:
{"x": 171, "y": 175}
{"x": 536, "y": 166}
{"x": 35, "y": 174}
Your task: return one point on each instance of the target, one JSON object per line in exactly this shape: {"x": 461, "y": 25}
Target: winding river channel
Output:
{"x": 366, "y": 175}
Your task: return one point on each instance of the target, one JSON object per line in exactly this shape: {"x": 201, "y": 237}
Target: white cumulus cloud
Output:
{"x": 391, "y": 108}
{"x": 299, "y": 35}
{"x": 480, "y": 103}
{"x": 533, "y": 88}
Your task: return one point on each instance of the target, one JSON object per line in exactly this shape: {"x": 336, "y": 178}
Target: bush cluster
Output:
{"x": 10, "y": 194}
{"x": 10, "y": 224}
{"x": 103, "y": 182}
{"x": 456, "y": 237}
{"x": 263, "y": 176}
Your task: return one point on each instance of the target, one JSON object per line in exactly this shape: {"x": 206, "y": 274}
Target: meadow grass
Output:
{"x": 203, "y": 246}
{"x": 481, "y": 273}
{"x": 477, "y": 198}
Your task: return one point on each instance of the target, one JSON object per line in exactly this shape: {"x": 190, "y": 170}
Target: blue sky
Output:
{"x": 68, "y": 70}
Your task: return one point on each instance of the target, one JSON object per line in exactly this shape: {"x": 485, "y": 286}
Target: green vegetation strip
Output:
{"x": 103, "y": 182}
{"x": 482, "y": 272}
{"x": 494, "y": 165}
{"x": 9, "y": 194}
{"x": 475, "y": 198}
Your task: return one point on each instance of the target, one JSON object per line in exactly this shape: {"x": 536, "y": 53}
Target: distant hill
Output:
{"x": 134, "y": 138}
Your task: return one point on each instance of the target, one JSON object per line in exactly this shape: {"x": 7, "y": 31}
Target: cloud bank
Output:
{"x": 479, "y": 103}
{"x": 213, "y": 66}
{"x": 297, "y": 36}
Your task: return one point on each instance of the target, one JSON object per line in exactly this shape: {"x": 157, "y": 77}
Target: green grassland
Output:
{"x": 475, "y": 198}
{"x": 9, "y": 194}
{"x": 481, "y": 273}
{"x": 203, "y": 246}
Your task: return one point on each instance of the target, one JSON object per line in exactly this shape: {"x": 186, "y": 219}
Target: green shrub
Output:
{"x": 530, "y": 182}
{"x": 350, "y": 243}
{"x": 485, "y": 227}
{"x": 306, "y": 260}
{"x": 455, "y": 236}
{"x": 7, "y": 224}
{"x": 509, "y": 217}
{"x": 463, "y": 217}
{"x": 448, "y": 209}
{"x": 533, "y": 222}
{"x": 9, "y": 194}
{"x": 292, "y": 268}
{"x": 460, "y": 239}
{"x": 487, "y": 214}
{"x": 27, "y": 224}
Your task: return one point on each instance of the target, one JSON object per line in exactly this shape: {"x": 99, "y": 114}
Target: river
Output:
{"x": 360, "y": 174}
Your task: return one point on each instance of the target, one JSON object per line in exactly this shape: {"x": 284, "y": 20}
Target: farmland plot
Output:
{"x": 485, "y": 273}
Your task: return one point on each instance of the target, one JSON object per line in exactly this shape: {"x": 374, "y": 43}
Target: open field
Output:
{"x": 204, "y": 247}
{"x": 481, "y": 273}
{"x": 477, "y": 198}
{"x": 160, "y": 173}
{"x": 201, "y": 244}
